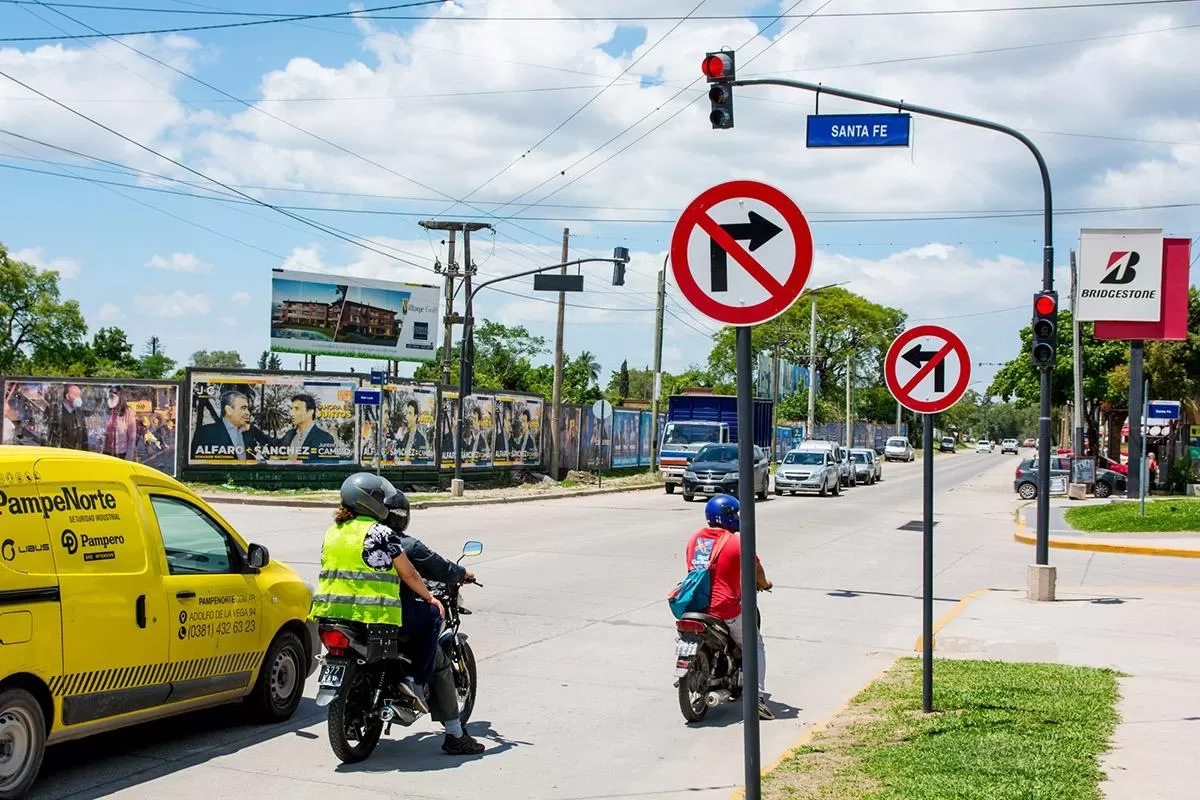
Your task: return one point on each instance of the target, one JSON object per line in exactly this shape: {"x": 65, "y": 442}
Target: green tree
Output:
{"x": 623, "y": 380}
{"x": 503, "y": 360}
{"x": 640, "y": 386}
{"x": 217, "y": 359}
{"x": 269, "y": 360}
{"x": 36, "y": 325}
{"x": 1019, "y": 378}
{"x": 579, "y": 379}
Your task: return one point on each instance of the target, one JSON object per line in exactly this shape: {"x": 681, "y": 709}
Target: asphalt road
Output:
{"x": 575, "y": 644}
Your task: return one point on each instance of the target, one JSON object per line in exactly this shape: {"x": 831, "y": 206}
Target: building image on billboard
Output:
{"x": 133, "y": 421}
{"x": 257, "y": 418}
{"x": 357, "y": 317}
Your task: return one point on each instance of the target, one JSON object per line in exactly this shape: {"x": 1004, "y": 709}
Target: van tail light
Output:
{"x": 689, "y": 626}
{"x": 335, "y": 641}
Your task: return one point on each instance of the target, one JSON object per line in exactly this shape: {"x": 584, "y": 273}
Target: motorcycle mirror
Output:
{"x": 472, "y": 548}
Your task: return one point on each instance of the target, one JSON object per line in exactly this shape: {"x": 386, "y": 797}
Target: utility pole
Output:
{"x": 812, "y": 365}
{"x": 448, "y": 335}
{"x": 775, "y": 400}
{"x": 658, "y": 344}
{"x": 1077, "y": 359}
{"x": 849, "y": 418}
{"x": 556, "y": 397}
{"x": 456, "y": 486}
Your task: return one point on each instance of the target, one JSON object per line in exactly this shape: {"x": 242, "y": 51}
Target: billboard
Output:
{"x": 265, "y": 418}
{"x": 478, "y": 429}
{"x": 568, "y": 437}
{"x": 131, "y": 420}
{"x": 518, "y": 439}
{"x": 339, "y": 315}
{"x": 625, "y": 438}
{"x": 410, "y": 412}
{"x": 645, "y": 440}
{"x": 1120, "y": 275}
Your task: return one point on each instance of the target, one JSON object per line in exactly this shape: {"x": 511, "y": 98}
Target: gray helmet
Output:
{"x": 369, "y": 495}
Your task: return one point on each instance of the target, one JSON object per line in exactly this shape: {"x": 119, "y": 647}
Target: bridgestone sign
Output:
{"x": 1120, "y": 275}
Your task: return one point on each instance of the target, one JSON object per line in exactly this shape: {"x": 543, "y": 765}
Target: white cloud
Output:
{"x": 179, "y": 262}
{"x": 173, "y": 305}
{"x": 67, "y": 268}
{"x": 110, "y": 312}
{"x": 240, "y": 298}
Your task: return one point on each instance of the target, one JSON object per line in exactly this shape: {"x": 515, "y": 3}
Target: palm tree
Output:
{"x": 589, "y": 363}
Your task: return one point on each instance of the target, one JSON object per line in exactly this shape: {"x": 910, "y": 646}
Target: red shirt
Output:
{"x": 726, "y": 600}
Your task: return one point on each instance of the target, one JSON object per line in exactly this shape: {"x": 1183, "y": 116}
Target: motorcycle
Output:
{"x": 363, "y": 670}
{"x": 708, "y": 664}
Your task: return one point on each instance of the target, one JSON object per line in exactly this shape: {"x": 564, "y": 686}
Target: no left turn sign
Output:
{"x": 927, "y": 369}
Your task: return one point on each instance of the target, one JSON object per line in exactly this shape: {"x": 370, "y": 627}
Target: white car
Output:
{"x": 1008, "y": 446}
{"x": 897, "y": 448}
{"x": 983, "y": 446}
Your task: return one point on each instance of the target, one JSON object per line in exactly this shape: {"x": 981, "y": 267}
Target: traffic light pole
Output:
{"x": 1043, "y": 482}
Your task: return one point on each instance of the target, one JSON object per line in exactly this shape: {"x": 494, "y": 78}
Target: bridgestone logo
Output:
{"x": 70, "y": 499}
{"x": 1119, "y": 294}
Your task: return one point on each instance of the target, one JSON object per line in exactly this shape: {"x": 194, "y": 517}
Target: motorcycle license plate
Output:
{"x": 685, "y": 649}
{"x": 332, "y": 674}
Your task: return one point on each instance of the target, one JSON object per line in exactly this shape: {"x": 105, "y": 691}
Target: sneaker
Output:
{"x": 461, "y": 745}
{"x": 763, "y": 711}
{"x": 417, "y": 693}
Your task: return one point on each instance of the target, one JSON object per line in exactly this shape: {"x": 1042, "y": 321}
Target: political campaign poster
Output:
{"x": 645, "y": 439}
{"x": 340, "y": 315}
{"x": 409, "y": 426}
{"x": 625, "y": 438}
{"x": 135, "y": 421}
{"x": 505, "y": 407}
{"x": 479, "y": 424}
{"x": 568, "y": 437}
{"x": 263, "y": 418}
{"x": 596, "y": 442}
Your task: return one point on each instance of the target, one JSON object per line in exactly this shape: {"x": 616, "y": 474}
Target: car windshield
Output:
{"x": 723, "y": 452}
{"x": 861, "y": 458}
{"x": 682, "y": 433}
{"x": 897, "y": 441}
{"x": 811, "y": 458}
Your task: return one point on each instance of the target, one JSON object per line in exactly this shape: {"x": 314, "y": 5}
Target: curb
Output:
{"x": 814, "y": 729}
{"x": 946, "y": 618}
{"x": 251, "y": 500}
{"x": 1100, "y": 547}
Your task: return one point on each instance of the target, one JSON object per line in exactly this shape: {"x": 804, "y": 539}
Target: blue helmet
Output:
{"x": 722, "y": 512}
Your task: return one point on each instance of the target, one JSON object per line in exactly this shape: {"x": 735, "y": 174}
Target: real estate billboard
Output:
{"x": 338, "y": 315}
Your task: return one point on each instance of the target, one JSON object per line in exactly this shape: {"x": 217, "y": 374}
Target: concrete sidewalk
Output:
{"x": 1063, "y": 536}
{"x": 1148, "y": 633}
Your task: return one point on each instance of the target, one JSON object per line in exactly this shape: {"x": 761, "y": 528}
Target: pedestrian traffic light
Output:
{"x": 719, "y": 69}
{"x": 1045, "y": 328}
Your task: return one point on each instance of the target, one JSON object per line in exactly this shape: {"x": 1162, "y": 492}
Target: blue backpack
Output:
{"x": 694, "y": 592}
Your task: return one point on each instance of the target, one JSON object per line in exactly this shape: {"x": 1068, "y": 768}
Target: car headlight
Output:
{"x": 731, "y": 476}
{"x": 689, "y": 475}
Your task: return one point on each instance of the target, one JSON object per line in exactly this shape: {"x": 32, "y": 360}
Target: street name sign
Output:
{"x": 927, "y": 369}
{"x": 859, "y": 130}
{"x": 368, "y": 397}
{"x": 734, "y": 283}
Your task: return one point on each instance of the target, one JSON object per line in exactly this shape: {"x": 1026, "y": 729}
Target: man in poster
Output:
{"x": 68, "y": 423}
{"x": 232, "y": 436}
{"x": 411, "y": 442}
{"x": 304, "y": 439}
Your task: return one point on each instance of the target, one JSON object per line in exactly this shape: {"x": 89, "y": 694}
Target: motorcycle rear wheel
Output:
{"x": 347, "y": 714}
{"x": 692, "y": 688}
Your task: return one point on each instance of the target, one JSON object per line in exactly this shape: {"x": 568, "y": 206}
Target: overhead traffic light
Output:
{"x": 1045, "y": 329}
{"x": 718, "y": 67}
{"x": 621, "y": 258}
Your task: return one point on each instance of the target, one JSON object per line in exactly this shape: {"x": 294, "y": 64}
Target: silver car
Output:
{"x": 897, "y": 448}
{"x": 808, "y": 470}
{"x": 867, "y": 468}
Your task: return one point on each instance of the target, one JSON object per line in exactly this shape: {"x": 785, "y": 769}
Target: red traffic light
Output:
{"x": 1044, "y": 304}
{"x": 716, "y": 66}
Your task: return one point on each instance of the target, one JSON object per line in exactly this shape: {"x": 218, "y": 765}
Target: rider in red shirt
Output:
{"x": 722, "y": 513}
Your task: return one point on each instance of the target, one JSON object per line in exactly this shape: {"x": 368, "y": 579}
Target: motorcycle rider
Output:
{"x": 723, "y": 515}
{"x": 361, "y": 537}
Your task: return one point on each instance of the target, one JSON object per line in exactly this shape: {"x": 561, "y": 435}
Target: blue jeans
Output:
{"x": 423, "y": 625}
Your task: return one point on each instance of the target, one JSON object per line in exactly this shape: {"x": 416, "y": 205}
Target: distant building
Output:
{"x": 365, "y": 320}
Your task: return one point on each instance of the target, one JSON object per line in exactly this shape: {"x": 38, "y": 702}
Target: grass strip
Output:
{"x": 1163, "y": 515}
{"x": 1000, "y": 731}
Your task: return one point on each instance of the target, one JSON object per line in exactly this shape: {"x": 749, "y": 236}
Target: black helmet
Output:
{"x": 371, "y": 495}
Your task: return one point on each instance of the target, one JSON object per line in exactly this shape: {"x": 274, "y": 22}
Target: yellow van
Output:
{"x": 125, "y": 598}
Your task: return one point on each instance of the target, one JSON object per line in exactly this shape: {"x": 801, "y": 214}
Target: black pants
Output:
{"x": 422, "y": 624}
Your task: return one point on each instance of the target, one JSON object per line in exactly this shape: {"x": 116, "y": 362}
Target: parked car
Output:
{"x": 947, "y": 445}
{"x": 898, "y": 448}
{"x": 714, "y": 470}
{"x": 1025, "y": 479}
{"x": 983, "y": 446}
{"x": 1115, "y": 466}
{"x": 866, "y": 465}
{"x": 1029, "y": 443}
{"x": 841, "y": 454}
{"x": 809, "y": 470}
{"x": 1008, "y": 446}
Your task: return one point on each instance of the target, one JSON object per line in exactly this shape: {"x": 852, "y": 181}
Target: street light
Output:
{"x": 619, "y": 259}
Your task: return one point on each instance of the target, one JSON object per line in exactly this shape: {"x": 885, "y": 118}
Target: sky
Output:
{"x": 165, "y": 175}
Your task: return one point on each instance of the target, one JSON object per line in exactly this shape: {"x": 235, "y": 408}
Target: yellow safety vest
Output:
{"x": 349, "y": 589}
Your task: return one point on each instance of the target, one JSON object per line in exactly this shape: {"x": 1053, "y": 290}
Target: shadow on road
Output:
{"x": 422, "y": 752}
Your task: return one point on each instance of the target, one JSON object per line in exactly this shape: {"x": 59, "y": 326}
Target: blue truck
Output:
{"x": 694, "y": 420}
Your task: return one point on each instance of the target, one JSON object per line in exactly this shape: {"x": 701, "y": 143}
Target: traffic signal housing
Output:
{"x": 719, "y": 68}
{"x": 1045, "y": 329}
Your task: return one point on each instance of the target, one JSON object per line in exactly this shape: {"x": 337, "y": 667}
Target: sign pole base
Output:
{"x": 456, "y": 487}
{"x": 750, "y": 632}
{"x": 927, "y": 598}
{"x": 1042, "y": 583}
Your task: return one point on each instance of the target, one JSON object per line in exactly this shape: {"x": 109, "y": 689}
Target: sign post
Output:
{"x": 733, "y": 266}
{"x": 927, "y": 369}
{"x": 373, "y": 397}
{"x": 601, "y": 408}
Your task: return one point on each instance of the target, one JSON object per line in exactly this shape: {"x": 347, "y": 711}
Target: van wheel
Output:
{"x": 22, "y": 742}
{"x": 280, "y": 681}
